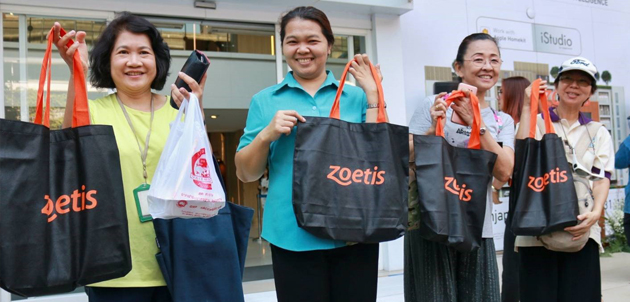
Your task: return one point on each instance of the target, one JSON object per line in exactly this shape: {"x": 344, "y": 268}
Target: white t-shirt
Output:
{"x": 501, "y": 129}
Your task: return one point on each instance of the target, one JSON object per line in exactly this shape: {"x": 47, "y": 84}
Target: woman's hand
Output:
{"x": 361, "y": 71}
{"x": 528, "y": 92}
{"x": 463, "y": 107}
{"x": 67, "y": 53}
{"x": 179, "y": 94}
{"x": 586, "y": 221}
{"x": 438, "y": 109}
{"x": 282, "y": 123}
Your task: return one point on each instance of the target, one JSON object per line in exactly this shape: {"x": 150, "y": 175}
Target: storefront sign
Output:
{"x": 509, "y": 34}
{"x": 558, "y": 40}
{"x": 532, "y": 37}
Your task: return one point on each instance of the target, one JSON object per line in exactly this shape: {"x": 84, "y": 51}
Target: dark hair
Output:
{"x": 556, "y": 81}
{"x": 100, "y": 58}
{"x": 513, "y": 92}
{"x": 463, "y": 47}
{"x": 308, "y": 13}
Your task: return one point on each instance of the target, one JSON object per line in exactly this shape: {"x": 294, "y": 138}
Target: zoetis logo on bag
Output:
{"x": 538, "y": 184}
{"x": 200, "y": 173}
{"x": 450, "y": 184}
{"x": 345, "y": 176}
{"x": 77, "y": 201}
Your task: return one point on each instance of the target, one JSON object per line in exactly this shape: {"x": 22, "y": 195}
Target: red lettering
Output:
{"x": 357, "y": 175}
{"x": 49, "y": 209}
{"x": 347, "y": 172}
{"x": 75, "y": 201}
{"x": 546, "y": 179}
{"x": 346, "y": 176}
{"x": 462, "y": 193}
{"x": 91, "y": 199}
{"x": 62, "y": 201}
{"x": 381, "y": 177}
{"x": 538, "y": 184}
{"x": 62, "y": 205}
{"x": 367, "y": 175}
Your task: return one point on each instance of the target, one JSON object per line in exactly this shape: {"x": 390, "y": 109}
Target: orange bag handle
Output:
{"x": 334, "y": 111}
{"x": 533, "y": 107}
{"x": 475, "y": 139}
{"x": 80, "y": 111}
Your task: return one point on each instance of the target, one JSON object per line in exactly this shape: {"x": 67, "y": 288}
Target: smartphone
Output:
{"x": 195, "y": 66}
{"x": 455, "y": 118}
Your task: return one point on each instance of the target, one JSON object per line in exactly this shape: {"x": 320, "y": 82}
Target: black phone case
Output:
{"x": 195, "y": 66}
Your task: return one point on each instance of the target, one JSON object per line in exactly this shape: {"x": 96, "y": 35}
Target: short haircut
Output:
{"x": 100, "y": 58}
{"x": 308, "y": 13}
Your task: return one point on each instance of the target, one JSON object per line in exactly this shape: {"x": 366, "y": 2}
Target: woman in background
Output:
{"x": 511, "y": 95}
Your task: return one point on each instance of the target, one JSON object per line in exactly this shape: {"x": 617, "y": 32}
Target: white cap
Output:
{"x": 581, "y": 64}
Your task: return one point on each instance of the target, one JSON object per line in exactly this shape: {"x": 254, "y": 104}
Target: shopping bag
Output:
{"x": 184, "y": 184}
{"x": 204, "y": 259}
{"x": 350, "y": 179}
{"x": 542, "y": 195}
{"x": 63, "y": 221}
{"x": 453, "y": 185}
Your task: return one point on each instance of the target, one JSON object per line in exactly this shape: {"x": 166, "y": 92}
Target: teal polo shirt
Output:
{"x": 280, "y": 227}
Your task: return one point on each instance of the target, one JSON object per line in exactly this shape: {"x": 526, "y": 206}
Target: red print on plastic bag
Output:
{"x": 200, "y": 173}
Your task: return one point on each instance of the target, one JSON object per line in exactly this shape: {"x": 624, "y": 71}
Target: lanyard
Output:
{"x": 497, "y": 118}
{"x": 143, "y": 153}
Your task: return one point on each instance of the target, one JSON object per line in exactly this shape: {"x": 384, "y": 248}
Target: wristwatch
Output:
{"x": 482, "y": 130}
{"x": 370, "y": 106}
{"x": 494, "y": 189}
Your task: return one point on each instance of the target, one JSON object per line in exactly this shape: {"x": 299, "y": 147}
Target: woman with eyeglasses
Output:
{"x": 433, "y": 271}
{"x": 559, "y": 276}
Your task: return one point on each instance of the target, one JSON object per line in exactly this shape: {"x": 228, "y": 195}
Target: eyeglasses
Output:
{"x": 481, "y": 62}
{"x": 499, "y": 91}
{"x": 567, "y": 80}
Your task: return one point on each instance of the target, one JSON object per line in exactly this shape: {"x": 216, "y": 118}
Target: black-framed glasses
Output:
{"x": 568, "y": 80}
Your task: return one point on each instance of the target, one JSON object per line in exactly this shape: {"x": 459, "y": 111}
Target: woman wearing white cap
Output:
{"x": 570, "y": 276}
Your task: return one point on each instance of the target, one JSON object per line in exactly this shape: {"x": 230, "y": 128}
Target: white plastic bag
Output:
{"x": 185, "y": 183}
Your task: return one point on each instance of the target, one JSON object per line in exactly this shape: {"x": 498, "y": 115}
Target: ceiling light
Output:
{"x": 214, "y": 116}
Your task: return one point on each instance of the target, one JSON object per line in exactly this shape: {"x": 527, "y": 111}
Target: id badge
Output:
{"x": 141, "y": 194}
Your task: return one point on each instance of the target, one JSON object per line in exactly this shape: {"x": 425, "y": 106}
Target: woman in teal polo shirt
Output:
{"x": 306, "y": 268}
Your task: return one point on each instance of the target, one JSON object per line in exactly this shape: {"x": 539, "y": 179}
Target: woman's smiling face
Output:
{"x": 305, "y": 48}
{"x": 482, "y": 63}
{"x": 133, "y": 66}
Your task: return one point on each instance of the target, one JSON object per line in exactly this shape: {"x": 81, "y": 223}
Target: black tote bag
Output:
{"x": 453, "y": 185}
{"x": 63, "y": 220}
{"x": 542, "y": 195}
{"x": 350, "y": 179}
{"x": 204, "y": 259}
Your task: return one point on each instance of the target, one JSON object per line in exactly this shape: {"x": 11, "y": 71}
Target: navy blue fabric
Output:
{"x": 203, "y": 259}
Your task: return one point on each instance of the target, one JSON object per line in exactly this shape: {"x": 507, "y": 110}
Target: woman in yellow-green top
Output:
{"x": 131, "y": 56}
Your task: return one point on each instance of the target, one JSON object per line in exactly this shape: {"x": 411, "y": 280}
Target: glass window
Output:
{"x": 340, "y": 48}
{"x": 21, "y": 72}
{"x": 218, "y": 36}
